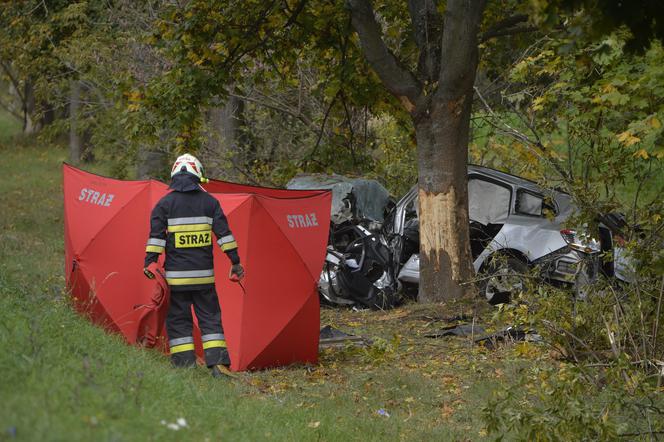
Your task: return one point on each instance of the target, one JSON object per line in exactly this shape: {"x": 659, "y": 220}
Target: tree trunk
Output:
{"x": 74, "y": 137}
{"x": 48, "y": 115}
{"x": 442, "y": 128}
{"x": 225, "y": 123}
{"x": 441, "y": 116}
{"x": 152, "y": 164}
{"x": 28, "y": 108}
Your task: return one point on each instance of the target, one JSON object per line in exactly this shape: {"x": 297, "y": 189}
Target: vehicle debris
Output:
{"x": 458, "y": 330}
{"x": 509, "y": 334}
{"x": 357, "y": 270}
{"x": 490, "y": 341}
{"x": 331, "y": 337}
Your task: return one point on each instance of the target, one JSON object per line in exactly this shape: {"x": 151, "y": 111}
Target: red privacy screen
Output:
{"x": 281, "y": 236}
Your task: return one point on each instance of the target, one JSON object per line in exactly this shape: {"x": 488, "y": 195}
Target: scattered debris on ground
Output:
{"x": 333, "y": 337}
{"x": 458, "y": 330}
{"x": 509, "y": 334}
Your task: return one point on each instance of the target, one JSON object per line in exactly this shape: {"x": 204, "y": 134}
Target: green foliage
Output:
{"x": 212, "y": 48}
{"x": 568, "y": 402}
{"x": 395, "y": 157}
{"x": 601, "y": 17}
{"x": 585, "y": 116}
{"x": 608, "y": 381}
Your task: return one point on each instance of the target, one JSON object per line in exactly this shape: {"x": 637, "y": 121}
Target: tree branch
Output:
{"x": 501, "y": 26}
{"x": 507, "y": 129}
{"x": 14, "y": 81}
{"x": 235, "y": 56}
{"x": 280, "y": 107}
{"x": 427, "y": 27}
{"x": 396, "y": 78}
{"x": 322, "y": 129}
{"x": 10, "y": 110}
{"x": 511, "y": 31}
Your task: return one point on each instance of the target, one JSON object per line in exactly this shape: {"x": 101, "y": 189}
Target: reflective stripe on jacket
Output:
{"x": 182, "y": 224}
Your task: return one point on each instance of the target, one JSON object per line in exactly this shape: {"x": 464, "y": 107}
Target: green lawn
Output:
{"x": 65, "y": 379}
{"x": 9, "y": 126}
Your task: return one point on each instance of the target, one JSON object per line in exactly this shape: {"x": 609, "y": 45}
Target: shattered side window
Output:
{"x": 529, "y": 204}
{"x": 413, "y": 209}
{"x": 488, "y": 202}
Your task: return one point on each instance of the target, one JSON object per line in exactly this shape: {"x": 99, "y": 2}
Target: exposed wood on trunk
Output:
{"x": 445, "y": 259}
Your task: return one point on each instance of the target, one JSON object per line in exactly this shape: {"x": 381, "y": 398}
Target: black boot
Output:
{"x": 224, "y": 358}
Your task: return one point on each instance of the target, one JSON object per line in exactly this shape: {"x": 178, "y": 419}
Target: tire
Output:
{"x": 503, "y": 277}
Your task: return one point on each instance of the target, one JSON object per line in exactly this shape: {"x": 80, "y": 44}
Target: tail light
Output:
{"x": 580, "y": 241}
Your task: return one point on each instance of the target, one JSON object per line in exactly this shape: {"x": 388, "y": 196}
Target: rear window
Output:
{"x": 532, "y": 204}
{"x": 488, "y": 202}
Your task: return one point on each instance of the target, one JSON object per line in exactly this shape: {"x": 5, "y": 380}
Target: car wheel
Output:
{"x": 503, "y": 278}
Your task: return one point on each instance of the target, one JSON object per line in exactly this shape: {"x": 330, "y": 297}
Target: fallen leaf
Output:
{"x": 447, "y": 411}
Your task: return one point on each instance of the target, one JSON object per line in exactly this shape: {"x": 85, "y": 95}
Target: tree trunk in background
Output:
{"x": 74, "y": 137}
{"x": 232, "y": 118}
{"x": 48, "y": 115}
{"x": 28, "y": 108}
{"x": 152, "y": 164}
{"x": 225, "y": 123}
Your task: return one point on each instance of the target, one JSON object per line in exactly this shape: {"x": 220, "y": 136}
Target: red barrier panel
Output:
{"x": 281, "y": 238}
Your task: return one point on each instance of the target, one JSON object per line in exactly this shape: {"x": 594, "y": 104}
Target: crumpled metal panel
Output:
{"x": 352, "y": 198}
{"x": 410, "y": 272}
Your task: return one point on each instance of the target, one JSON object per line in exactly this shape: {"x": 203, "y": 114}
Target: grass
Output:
{"x": 9, "y": 126}
{"x": 65, "y": 379}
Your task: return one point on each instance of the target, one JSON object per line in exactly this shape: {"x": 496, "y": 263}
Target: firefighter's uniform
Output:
{"x": 182, "y": 224}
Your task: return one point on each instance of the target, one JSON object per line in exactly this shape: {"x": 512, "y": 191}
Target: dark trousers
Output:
{"x": 179, "y": 326}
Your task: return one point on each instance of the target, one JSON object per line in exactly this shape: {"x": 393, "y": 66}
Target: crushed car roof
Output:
{"x": 352, "y": 198}
{"x": 506, "y": 177}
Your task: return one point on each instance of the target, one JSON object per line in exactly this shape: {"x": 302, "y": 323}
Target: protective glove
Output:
{"x": 237, "y": 273}
{"x": 148, "y": 274}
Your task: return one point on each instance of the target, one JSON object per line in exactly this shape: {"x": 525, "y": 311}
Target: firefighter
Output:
{"x": 181, "y": 225}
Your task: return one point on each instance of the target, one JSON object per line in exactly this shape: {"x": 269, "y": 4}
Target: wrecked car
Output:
{"x": 358, "y": 266}
{"x": 515, "y": 226}
{"x": 354, "y": 200}
{"x": 517, "y": 231}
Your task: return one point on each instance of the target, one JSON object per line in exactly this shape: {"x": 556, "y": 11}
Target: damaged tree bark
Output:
{"x": 439, "y": 101}
{"x": 443, "y": 127}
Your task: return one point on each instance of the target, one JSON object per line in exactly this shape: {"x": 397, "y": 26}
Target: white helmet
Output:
{"x": 188, "y": 163}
